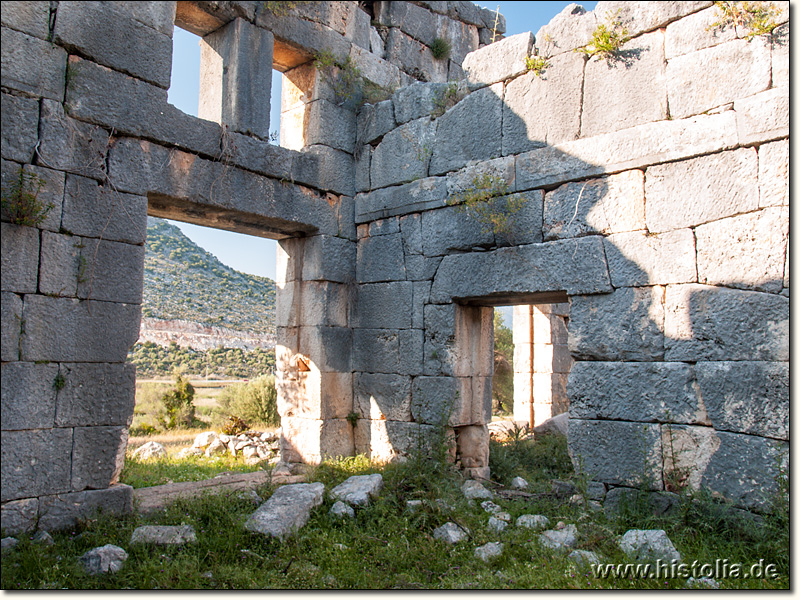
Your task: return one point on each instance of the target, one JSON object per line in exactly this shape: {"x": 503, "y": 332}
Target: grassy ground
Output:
{"x": 388, "y": 547}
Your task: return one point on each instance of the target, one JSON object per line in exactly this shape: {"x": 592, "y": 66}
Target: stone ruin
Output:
{"x": 646, "y": 255}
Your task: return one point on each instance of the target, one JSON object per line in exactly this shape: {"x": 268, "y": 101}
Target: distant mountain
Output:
{"x": 184, "y": 282}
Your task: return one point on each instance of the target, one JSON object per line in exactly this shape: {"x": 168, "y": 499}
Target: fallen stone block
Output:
{"x": 340, "y": 510}
{"x": 583, "y": 559}
{"x": 105, "y": 559}
{"x": 164, "y": 535}
{"x": 558, "y": 425}
{"x": 287, "y": 510}
{"x": 489, "y": 551}
{"x": 150, "y": 450}
{"x": 535, "y": 522}
{"x": 560, "y": 539}
{"x": 358, "y": 489}
{"x": 450, "y": 533}
{"x": 474, "y": 489}
{"x": 648, "y": 546}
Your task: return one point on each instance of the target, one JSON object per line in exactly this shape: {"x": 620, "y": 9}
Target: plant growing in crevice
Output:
{"x": 60, "y": 382}
{"x": 445, "y": 100}
{"x": 342, "y": 75}
{"x": 279, "y": 9}
{"x": 537, "y": 64}
{"x": 440, "y": 48}
{"x": 752, "y": 18}
{"x": 607, "y": 39}
{"x": 487, "y": 201}
{"x": 20, "y": 200}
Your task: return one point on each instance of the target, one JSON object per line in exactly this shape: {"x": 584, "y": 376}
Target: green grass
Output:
{"x": 158, "y": 471}
{"x": 386, "y": 546}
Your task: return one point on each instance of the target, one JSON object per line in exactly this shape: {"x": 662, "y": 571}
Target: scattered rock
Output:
{"x": 701, "y": 583}
{"x": 150, "y": 450}
{"x": 164, "y": 535}
{"x": 474, "y": 489}
{"x": 497, "y": 525}
{"x": 105, "y": 559}
{"x": 518, "y": 483}
{"x": 648, "y": 545}
{"x": 450, "y": 533}
{"x": 287, "y": 510}
{"x": 503, "y": 516}
{"x": 559, "y": 539}
{"x": 204, "y": 440}
{"x": 413, "y": 505}
{"x": 43, "y": 538}
{"x": 208, "y": 575}
{"x": 535, "y": 522}
{"x": 251, "y": 495}
{"x": 191, "y": 451}
{"x": 558, "y": 425}
{"x": 489, "y": 551}
{"x": 358, "y": 489}
{"x": 8, "y": 544}
{"x": 563, "y": 488}
{"x": 216, "y": 447}
{"x": 577, "y": 499}
{"x": 490, "y": 507}
{"x": 584, "y": 559}
{"x": 340, "y": 510}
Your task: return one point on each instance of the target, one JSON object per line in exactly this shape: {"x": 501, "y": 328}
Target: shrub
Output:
{"x": 254, "y": 402}
{"x": 537, "y": 64}
{"x": 606, "y": 40}
{"x": 483, "y": 202}
{"x": 440, "y": 48}
{"x": 234, "y": 425}
{"x": 342, "y": 75}
{"x": 755, "y": 18}
{"x": 21, "y": 200}
{"x": 177, "y": 407}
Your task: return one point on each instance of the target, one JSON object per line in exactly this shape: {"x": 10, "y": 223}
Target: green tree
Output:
{"x": 178, "y": 404}
{"x": 503, "y": 379}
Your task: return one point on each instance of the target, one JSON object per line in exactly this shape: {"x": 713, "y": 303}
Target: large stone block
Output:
{"x": 747, "y": 251}
{"x": 158, "y": 15}
{"x": 411, "y": 19}
{"x": 631, "y": 148}
{"x": 98, "y": 454}
{"x": 63, "y": 511}
{"x": 413, "y": 57}
{"x": 638, "y": 17}
{"x": 312, "y": 440}
{"x": 606, "y": 205}
{"x": 418, "y": 100}
{"x": 388, "y": 351}
{"x": 617, "y": 96}
{"x": 111, "y": 271}
{"x": 376, "y": 120}
{"x": 443, "y": 401}
{"x": 95, "y": 211}
{"x": 363, "y": 160}
{"x": 441, "y": 354}
{"x": 574, "y": 266}
{"x": 723, "y": 185}
{"x": 499, "y": 61}
{"x": 469, "y": 131}
{"x": 315, "y": 395}
{"x": 329, "y": 348}
{"x": 69, "y": 145}
{"x": 384, "y": 305}
{"x": 715, "y": 76}
{"x": 20, "y": 258}
{"x": 312, "y": 304}
{"x": 115, "y": 40}
{"x": 60, "y": 264}
{"x": 645, "y": 392}
{"x": 11, "y": 326}
{"x": 384, "y": 441}
{"x": 19, "y": 516}
{"x": 639, "y": 259}
{"x": 325, "y": 168}
{"x": 381, "y": 396}
{"x": 695, "y": 32}
{"x": 568, "y": 30}
{"x": 451, "y": 229}
{"x": 32, "y": 65}
{"x": 338, "y": 17}
{"x": 463, "y": 38}
{"x": 95, "y": 394}
{"x": 28, "y": 395}
{"x": 20, "y": 127}
{"x": 746, "y": 397}
{"x": 374, "y": 69}
{"x": 327, "y": 124}
{"x": 631, "y": 328}
{"x": 403, "y": 154}
{"x": 710, "y": 323}
{"x": 50, "y": 193}
{"x": 32, "y": 18}
{"x": 763, "y": 117}
{"x": 328, "y": 258}
{"x": 380, "y": 258}
{"x": 35, "y": 463}
{"x": 416, "y": 196}
{"x": 557, "y": 93}
{"x": 773, "y": 174}
{"x": 65, "y": 330}
{"x": 468, "y": 179}
{"x": 617, "y": 452}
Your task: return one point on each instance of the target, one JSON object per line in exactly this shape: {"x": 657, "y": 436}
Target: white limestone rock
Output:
{"x": 489, "y": 551}
{"x": 583, "y": 559}
{"x": 560, "y": 539}
{"x": 340, "y": 510}
{"x": 204, "y": 440}
{"x": 496, "y": 525}
{"x": 150, "y": 450}
{"x": 474, "y": 489}
{"x": 164, "y": 535}
{"x": 648, "y": 546}
{"x": 358, "y": 489}
{"x": 287, "y": 510}
{"x": 535, "y": 522}
{"x": 450, "y": 533}
{"x": 104, "y": 559}
{"x": 518, "y": 483}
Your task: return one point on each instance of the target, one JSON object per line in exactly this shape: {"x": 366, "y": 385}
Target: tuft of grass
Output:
{"x": 753, "y": 18}
{"x": 607, "y": 39}
{"x": 486, "y": 202}
{"x": 440, "y": 48}
{"x": 537, "y": 64}
{"x": 20, "y": 200}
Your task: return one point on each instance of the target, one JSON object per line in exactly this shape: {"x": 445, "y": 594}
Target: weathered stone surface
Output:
{"x": 51, "y": 192}
{"x": 558, "y": 425}
{"x": 780, "y": 56}
{"x": 413, "y": 57}
{"x": 688, "y": 76}
{"x": 773, "y": 174}
{"x": 606, "y": 205}
{"x": 313, "y": 440}
{"x": 32, "y": 18}
{"x": 20, "y": 258}
{"x": 576, "y": 266}
{"x": 380, "y": 258}
{"x": 328, "y": 258}
{"x": 631, "y": 148}
{"x": 584, "y": 559}
{"x": 535, "y": 522}
{"x": 374, "y": 69}
{"x": 327, "y": 124}
{"x": 489, "y": 551}
{"x": 711, "y": 323}
{"x": 634, "y": 332}
{"x": 72, "y": 146}
{"x": 110, "y": 271}
{"x": 475, "y": 489}
{"x": 164, "y": 535}
{"x": 746, "y": 397}
{"x": 637, "y": 87}
{"x": 411, "y": 19}
{"x": 9, "y": 543}
{"x": 695, "y": 32}
{"x": 363, "y": 160}
{"x": 433, "y": 397}
{"x": 287, "y": 510}
{"x": 158, "y": 15}
{"x": 20, "y": 122}
{"x": 631, "y": 451}
{"x": 340, "y": 510}
{"x": 97, "y": 211}
{"x": 19, "y": 516}
{"x": 403, "y": 154}
{"x": 32, "y": 65}
{"x": 28, "y": 395}
{"x": 325, "y": 168}
{"x": 400, "y": 200}
{"x": 383, "y": 396}
{"x": 518, "y": 483}
{"x": 499, "y": 61}
{"x": 63, "y": 329}
{"x": 452, "y": 228}
{"x": 98, "y": 454}
{"x": 557, "y": 93}
{"x": 642, "y": 16}
{"x": 376, "y": 120}
{"x": 559, "y": 539}
{"x": 115, "y": 40}
{"x": 66, "y": 510}
{"x": 648, "y": 546}
{"x": 746, "y": 251}
{"x": 639, "y": 259}
{"x": 328, "y": 347}
{"x": 496, "y": 525}
{"x": 388, "y": 351}
{"x": 386, "y": 441}
{"x": 763, "y": 117}
{"x": 467, "y": 179}
{"x": 313, "y": 304}
{"x": 11, "y": 326}
{"x": 417, "y": 100}
{"x": 103, "y": 560}
{"x": 635, "y": 392}
{"x": 568, "y": 30}
{"x": 471, "y": 130}
{"x": 35, "y": 462}
{"x": 724, "y": 184}
{"x": 450, "y": 533}
{"x": 384, "y": 305}
{"x": 358, "y": 489}
{"x": 61, "y": 264}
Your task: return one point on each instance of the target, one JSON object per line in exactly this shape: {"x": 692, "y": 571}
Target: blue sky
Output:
{"x": 257, "y": 255}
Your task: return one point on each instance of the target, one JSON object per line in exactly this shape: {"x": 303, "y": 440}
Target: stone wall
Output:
{"x": 656, "y": 205}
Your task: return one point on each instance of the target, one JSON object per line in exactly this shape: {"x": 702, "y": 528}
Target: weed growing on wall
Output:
{"x": 537, "y": 64}
{"x": 607, "y": 39}
{"x": 751, "y": 18}
{"x": 279, "y": 9}
{"x": 342, "y": 75}
{"x": 440, "y": 49}
{"x": 445, "y": 100}
{"x": 487, "y": 202}
{"x": 20, "y": 201}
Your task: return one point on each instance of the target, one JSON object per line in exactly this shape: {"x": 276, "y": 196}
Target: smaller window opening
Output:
{"x": 184, "y": 89}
